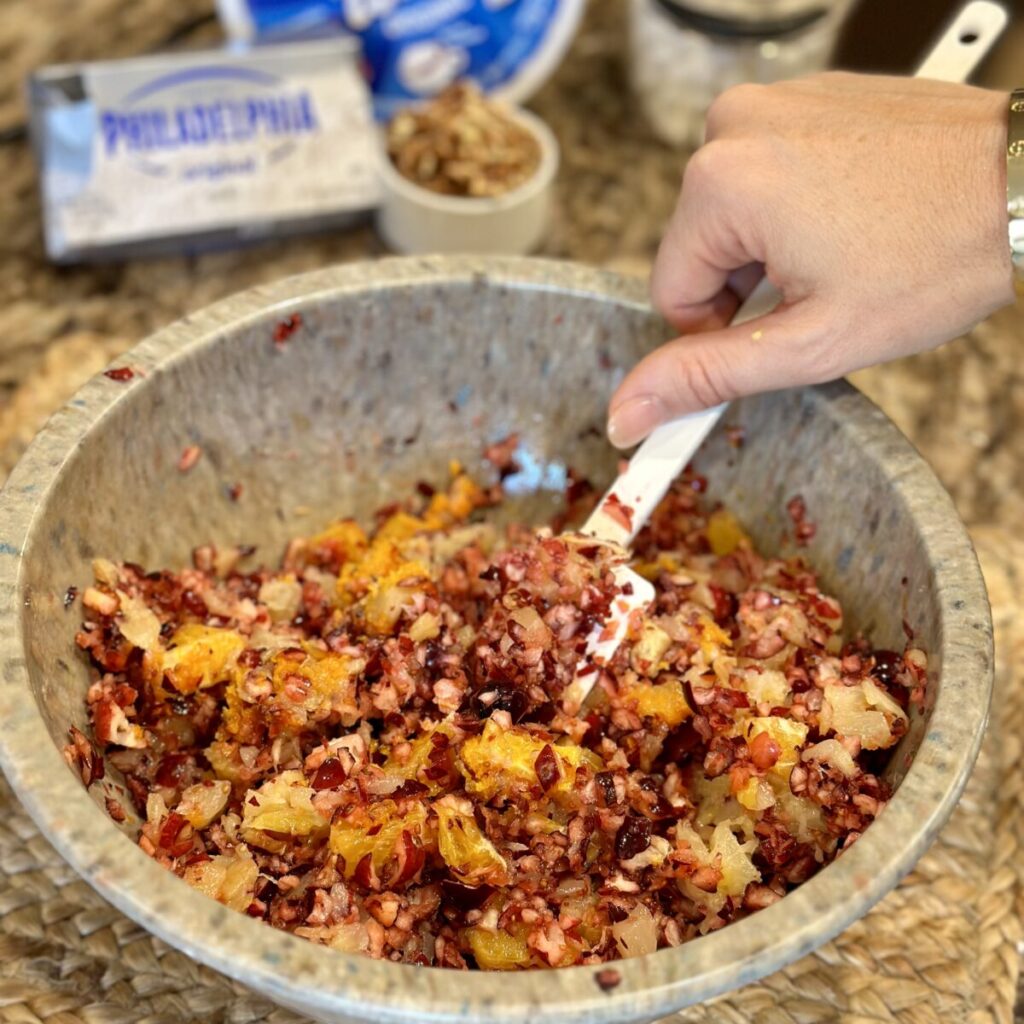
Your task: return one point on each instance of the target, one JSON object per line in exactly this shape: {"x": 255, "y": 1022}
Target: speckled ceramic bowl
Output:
{"x": 397, "y": 367}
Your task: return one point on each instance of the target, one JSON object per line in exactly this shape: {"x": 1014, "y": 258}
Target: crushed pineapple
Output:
{"x": 426, "y": 627}
{"x": 665, "y": 700}
{"x": 138, "y": 624}
{"x": 345, "y": 937}
{"x": 283, "y": 804}
{"x": 417, "y": 758}
{"x": 713, "y": 639}
{"x": 283, "y": 597}
{"x": 375, "y": 830}
{"x": 756, "y": 795}
{"x": 391, "y": 595}
{"x": 649, "y": 649}
{"x": 202, "y": 804}
{"x": 497, "y": 950}
{"x": 804, "y": 818}
{"x": 715, "y": 801}
{"x": 229, "y": 878}
{"x": 504, "y": 760}
{"x": 465, "y": 849}
{"x": 724, "y": 532}
{"x": 345, "y": 537}
{"x": 201, "y": 656}
{"x": 765, "y": 686}
{"x": 332, "y": 678}
{"x": 861, "y": 711}
{"x": 734, "y": 860}
{"x": 224, "y": 761}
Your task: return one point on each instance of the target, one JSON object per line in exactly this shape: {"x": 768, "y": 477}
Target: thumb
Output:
{"x": 784, "y": 348}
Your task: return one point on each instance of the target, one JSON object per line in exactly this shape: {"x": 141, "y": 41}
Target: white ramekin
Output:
{"x": 415, "y": 220}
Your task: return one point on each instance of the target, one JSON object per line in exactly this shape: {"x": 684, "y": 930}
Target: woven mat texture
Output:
{"x": 942, "y": 948}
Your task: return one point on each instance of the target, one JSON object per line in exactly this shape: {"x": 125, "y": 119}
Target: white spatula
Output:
{"x": 632, "y": 498}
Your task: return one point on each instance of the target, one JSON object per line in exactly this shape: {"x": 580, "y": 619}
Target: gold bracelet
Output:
{"x": 1015, "y": 184}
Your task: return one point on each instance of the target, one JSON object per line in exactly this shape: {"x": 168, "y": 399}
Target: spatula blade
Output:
{"x": 635, "y": 595}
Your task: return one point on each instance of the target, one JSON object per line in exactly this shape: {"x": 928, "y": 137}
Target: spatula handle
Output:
{"x": 965, "y": 42}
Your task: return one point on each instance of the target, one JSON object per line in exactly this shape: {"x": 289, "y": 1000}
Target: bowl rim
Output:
{"x": 395, "y": 183}
{"x": 323, "y": 982}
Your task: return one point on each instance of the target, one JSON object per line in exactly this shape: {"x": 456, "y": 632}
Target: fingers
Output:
{"x": 744, "y": 280}
{"x": 714, "y": 232}
{"x": 689, "y": 277}
{"x": 779, "y": 350}
{"x": 722, "y": 308}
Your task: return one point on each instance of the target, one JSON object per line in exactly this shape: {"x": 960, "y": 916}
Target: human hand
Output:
{"x": 876, "y": 205}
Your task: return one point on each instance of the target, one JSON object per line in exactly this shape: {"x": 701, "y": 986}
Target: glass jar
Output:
{"x": 683, "y": 53}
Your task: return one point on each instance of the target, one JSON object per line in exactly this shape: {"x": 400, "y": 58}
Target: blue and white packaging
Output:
{"x": 412, "y": 49}
{"x": 191, "y": 150}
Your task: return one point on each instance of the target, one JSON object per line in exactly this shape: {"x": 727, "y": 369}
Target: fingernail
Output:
{"x": 634, "y": 419}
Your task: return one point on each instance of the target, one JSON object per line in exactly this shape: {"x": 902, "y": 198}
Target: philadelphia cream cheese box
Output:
{"x": 187, "y": 151}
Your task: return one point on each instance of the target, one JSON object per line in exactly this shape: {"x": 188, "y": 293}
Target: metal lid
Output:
{"x": 749, "y": 19}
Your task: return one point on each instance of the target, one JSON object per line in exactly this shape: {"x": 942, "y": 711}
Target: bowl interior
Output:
{"x": 377, "y": 392}
{"x": 392, "y": 374}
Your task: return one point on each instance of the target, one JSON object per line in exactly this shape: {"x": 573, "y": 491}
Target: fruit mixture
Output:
{"x": 368, "y": 745}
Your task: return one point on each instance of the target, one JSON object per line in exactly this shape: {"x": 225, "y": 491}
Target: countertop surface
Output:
{"x": 963, "y": 405}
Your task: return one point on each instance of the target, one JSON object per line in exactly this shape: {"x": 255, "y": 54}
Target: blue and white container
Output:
{"x": 412, "y": 49}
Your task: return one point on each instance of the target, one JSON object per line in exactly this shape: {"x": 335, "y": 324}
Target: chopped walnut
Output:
{"x": 462, "y": 144}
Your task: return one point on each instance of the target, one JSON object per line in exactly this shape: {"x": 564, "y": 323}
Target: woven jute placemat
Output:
{"x": 941, "y": 949}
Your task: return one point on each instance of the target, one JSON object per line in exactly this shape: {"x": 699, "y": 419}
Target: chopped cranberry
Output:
{"x": 285, "y": 328}
{"x": 172, "y": 770}
{"x": 606, "y": 785}
{"x": 176, "y": 834}
{"x": 502, "y": 697}
{"x": 189, "y": 457}
{"x": 736, "y": 435}
{"x": 547, "y": 768}
{"x": 466, "y": 897}
{"x": 633, "y": 837}
{"x": 329, "y": 775}
{"x": 888, "y": 665}
{"x": 618, "y": 511}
